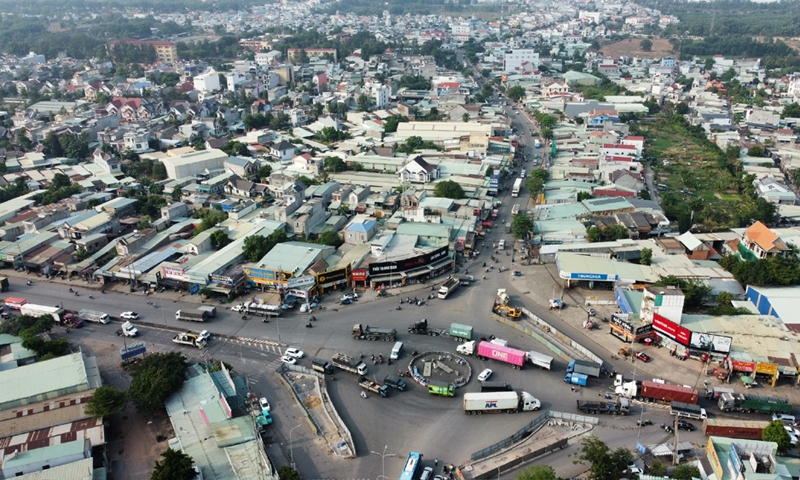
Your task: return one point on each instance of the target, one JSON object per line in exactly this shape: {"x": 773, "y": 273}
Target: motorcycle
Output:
{"x": 398, "y": 307}
{"x": 91, "y": 296}
{"x": 244, "y": 317}
{"x": 29, "y": 282}
{"x": 308, "y": 325}
{"x": 363, "y": 395}
{"x": 76, "y": 294}
{"x": 313, "y": 318}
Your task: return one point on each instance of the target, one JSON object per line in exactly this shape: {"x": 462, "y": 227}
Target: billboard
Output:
{"x": 334, "y": 276}
{"x": 623, "y": 324}
{"x": 742, "y": 366}
{"x": 174, "y": 273}
{"x": 360, "y": 275}
{"x": 671, "y": 330}
{"x": 714, "y": 343}
{"x": 301, "y": 281}
{"x": 408, "y": 263}
{"x": 259, "y": 273}
{"x": 220, "y": 279}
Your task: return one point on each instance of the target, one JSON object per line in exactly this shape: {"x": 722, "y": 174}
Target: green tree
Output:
{"x": 584, "y": 196}
{"x": 219, "y": 239}
{"x": 53, "y": 144}
{"x": 330, "y": 238}
{"x": 791, "y": 110}
{"x": 159, "y": 171}
{"x": 605, "y": 464}
{"x": 775, "y": 432}
{"x": 646, "y": 45}
{"x": 60, "y": 181}
{"x": 391, "y": 123}
{"x": 617, "y": 232}
{"x": 515, "y": 93}
{"x": 724, "y": 298}
{"x": 756, "y": 151}
{"x": 448, "y": 189}
{"x": 256, "y": 246}
{"x": 264, "y": 172}
{"x": 177, "y": 193}
{"x": 235, "y": 148}
{"x": 682, "y": 108}
{"x": 465, "y": 118}
{"x": 685, "y": 472}
{"x": 646, "y": 257}
{"x": 657, "y": 469}
{"x": 521, "y": 226}
{"x": 538, "y": 472}
{"x": 286, "y": 472}
{"x": 547, "y": 133}
{"x": 694, "y": 291}
{"x": 107, "y": 400}
{"x": 174, "y": 465}
{"x": 334, "y": 164}
{"x": 365, "y": 102}
{"x": 206, "y": 292}
{"x": 594, "y": 234}
{"x": 155, "y": 378}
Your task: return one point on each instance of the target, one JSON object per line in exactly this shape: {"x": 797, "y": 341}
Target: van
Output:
{"x": 322, "y": 366}
{"x": 502, "y": 244}
{"x": 396, "y": 350}
{"x": 783, "y": 418}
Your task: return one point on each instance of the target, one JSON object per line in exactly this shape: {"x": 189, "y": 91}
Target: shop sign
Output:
{"x": 408, "y": 263}
{"x": 360, "y": 275}
{"x": 714, "y": 343}
{"x": 671, "y": 330}
{"x": 741, "y": 366}
{"x": 221, "y": 279}
{"x": 301, "y": 281}
{"x": 298, "y": 293}
{"x": 260, "y": 274}
{"x": 713, "y": 456}
{"x": 172, "y": 272}
{"x": 602, "y": 277}
{"x": 334, "y": 275}
{"x": 766, "y": 368}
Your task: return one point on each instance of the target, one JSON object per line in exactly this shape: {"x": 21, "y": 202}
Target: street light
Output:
{"x": 383, "y": 460}
{"x": 291, "y": 447}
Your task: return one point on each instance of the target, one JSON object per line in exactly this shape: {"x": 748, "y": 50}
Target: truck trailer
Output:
{"x": 620, "y": 406}
{"x": 500, "y": 402}
{"x": 40, "y": 310}
{"x": 349, "y": 364}
{"x": 687, "y": 410}
{"x": 487, "y": 350}
{"x": 366, "y": 332}
{"x": 457, "y": 331}
{"x": 725, "y": 427}
{"x": 539, "y": 360}
{"x": 191, "y": 315}
{"x": 449, "y": 286}
{"x": 650, "y": 391}
{"x": 212, "y": 311}
{"x": 375, "y": 387}
{"x": 741, "y": 402}
{"x": 587, "y": 368}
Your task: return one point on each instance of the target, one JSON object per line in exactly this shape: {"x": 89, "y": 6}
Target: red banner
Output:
{"x": 671, "y": 330}
{"x": 359, "y": 275}
{"x": 741, "y": 366}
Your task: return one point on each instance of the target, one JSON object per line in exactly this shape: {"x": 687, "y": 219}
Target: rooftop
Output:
{"x": 55, "y": 377}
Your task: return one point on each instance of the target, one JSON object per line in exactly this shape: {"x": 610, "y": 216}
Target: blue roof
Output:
{"x": 362, "y": 227}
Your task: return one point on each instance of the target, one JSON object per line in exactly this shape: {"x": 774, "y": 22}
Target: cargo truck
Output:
{"x": 191, "y": 315}
{"x": 620, "y": 406}
{"x": 395, "y": 382}
{"x": 576, "y": 379}
{"x": 4, "y": 285}
{"x": 212, "y": 311}
{"x": 457, "y": 331}
{"x": 714, "y": 393}
{"x": 740, "y": 402}
{"x": 322, "y": 366}
{"x": 366, "y": 332}
{"x": 190, "y": 339}
{"x": 258, "y": 309}
{"x": 441, "y": 388}
{"x": 500, "y": 402}
{"x": 587, "y": 368}
{"x": 687, "y": 410}
{"x": 94, "y": 316}
{"x": 650, "y": 391}
{"x": 539, "y": 360}
{"x": 41, "y": 310}
{"x": 375, "y": 387}
{"x": 449, "y": 286}
{"x": 349, "y": 364}
{"x": 725, "y": 427}
{"x": 487, "y": 350}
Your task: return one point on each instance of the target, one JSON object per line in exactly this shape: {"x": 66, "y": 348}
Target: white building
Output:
{"x": 136, "y": 141}
{"x": 664, "y": 301}
{"x": 193, "y": 163}
{"x": 380, "y": 94}
{"x": 207, "y": 82}
{"x": 513, "y": 59}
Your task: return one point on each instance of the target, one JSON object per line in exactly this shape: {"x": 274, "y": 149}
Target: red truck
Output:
{"x": 495, "y": 213}
{"x": 723, "y": 427}
{"x": 657, "y": 392}
{"x": 511, "y": 356}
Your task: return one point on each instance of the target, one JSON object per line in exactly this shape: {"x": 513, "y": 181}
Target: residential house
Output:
{"x": 418, "y": 171}
{"x": 763, "y": 242}
{"x": 283, "y": 151}
{"x": 360, "y": 231}
{"x": 240, "y": 166}
{"x": 106, "y": 161}
{"x": 357, "y": 198}
{"x": 307, "y": 165}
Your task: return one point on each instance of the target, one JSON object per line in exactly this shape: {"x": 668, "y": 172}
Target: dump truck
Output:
{"x": 620, "y": 406}
{"x": 349, "y": 364}
{"x": 128, "y": 330}
{"x": 94, "y": 316}
{"x": 457, "y": 331}
{"x": 449, "y": 286}
{"x": 687, "y": 410}
{"x": 539, "y": 360}
{"x": 576, "y": 379}
{"x": 500, "y": 402}
{"x": 40, "y": 310}
{"x": 587, "y": 368}
{"x": 741, "y": 402}
{"x": 212, "y": 311}
{"x": 725, "y": 427}
{"x": 366, "y": 332}
{"x": 191, "y": 315}
{"x": 501, "y": 305}
{"x": 650, "y": 391}
{"x": 441, "y": 388}
{"x": 190, "y": 339}
{"x": 376, "y": 387}
{"x": 713, "y": 393}
{"x": 487, "y": 350}
{"x": 395, "y": 382}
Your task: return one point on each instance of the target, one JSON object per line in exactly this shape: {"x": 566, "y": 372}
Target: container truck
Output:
{"x": 441, "y": 388}
{"x": 576, "y": 379}
{"x": 191, "y": 315}
{"x": 366, "y": 332}
{"x": 457, "y": 331}
{"x": 650, "y": 391}
{"x": 375, "y": 387}
{"x": 41, "y": 310}
{"x": 539, "y": 360}
{"x": 495, "y": 387}
{"x": 487, "y": 350}
{"x": 349, "y": 364}
{"x": 395, "y": 382}
{"x": 687, "y": 410}
{"x": 725, "y": 427}
{"x": 212, "y": 311}
{"x": 587, "y": 368}
{"x": 713, "y": 393}
{"x": 620, "y": 406}
{"x": 740, "y": 402}
{"x": 94, "y": 316}
{"x": 449, "y": 286}
{"x": 500, "y": 402}
{"x": 259, "y": 309}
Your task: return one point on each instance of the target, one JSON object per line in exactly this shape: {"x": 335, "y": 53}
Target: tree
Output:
{"x": 256, "y": 246}
{"x": 605, "y": 465}
{"x": 219, "y": 239}
{"x": 448, "y": 189}
{"x": 547, "y": 133}
{"x": 617, "y": 232}
{"x": 584, "y": 196}
{"x": 791, "y": 110}
{"x": 365, "y": 102}
{"x": 174, "y": 465}
{"x": 646, "y": 257}
{"x": 53, "y": 144}
{"x": 724, "y": 298}
{"x": 657, "y": 469}
{"x": 682, "y": 108}
{"x": 694, "y": 291}
{"x": 206, "y": 292}
{"x": 465, "y": 118}
{"x": 334, "y": 164}
{"x": 107, "y": 400}
{"x": 236, "y": 149}
{"x": 159, "y": 171}
{"x": 286, "y": 472}
{"x": 685, "y": 472}
{"x": 521, "y": 226}
{"x": 594, "y": 234}
{"x": 391, "y": 123}
{"x": 155, "y": 378}
{"x": 264, "y": 172}
{"x": 775, "y": 432}
{"x": 60, "y": 181}
{"x": 537, "y": 472}
{"x": 646, "y": 45}
{"x": 515, "y": 93}
{"x": 330, "y": 238}
{"x": 756, "y": 151}
{"x": 177, "y": 193}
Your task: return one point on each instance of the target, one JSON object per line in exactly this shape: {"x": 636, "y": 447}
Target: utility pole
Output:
{"x": 675, "y": 442}
{"x": 383, "y": 461}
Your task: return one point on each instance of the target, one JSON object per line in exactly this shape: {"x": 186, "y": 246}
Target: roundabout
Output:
{"x": 440, "y": 367}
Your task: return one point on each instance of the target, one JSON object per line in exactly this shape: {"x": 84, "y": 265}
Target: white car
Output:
{"x": 238, "y": 308}
{"x": 294, "y": 352}
{"x": 129, "y": 315}
{"x": 485, "y": 375}
{"x": 264, "y": 404}
{"x": 288, "y": 359}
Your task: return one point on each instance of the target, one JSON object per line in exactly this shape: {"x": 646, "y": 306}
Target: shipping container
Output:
{"x": 666, "y": 393}
{"x": 723, "y": 427}
{"x": 511, "y": 356}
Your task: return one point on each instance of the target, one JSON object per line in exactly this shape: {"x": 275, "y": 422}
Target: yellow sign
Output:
{"x": 766, "y": 368}
{"x": 712, "y": 454}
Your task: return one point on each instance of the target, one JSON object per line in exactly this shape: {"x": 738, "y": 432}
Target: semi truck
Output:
{"x": 191, "y": 315}
{"x": 576, "y": 379}
{"x": 190, "y": 339}
{"x": 725, "y": 427}
{"x": 500, "y": 402}
{"x": 395, "y": 382}
{"x": 587, "y": 368}
{"x": 741, "y": 402}
{"x": 443, "y": 389}
{"x": 539, "y": 360}
{"x": 375, "y": 387}
{"x": 650, "y": 391}
{"x": 349, "y": 364}
{"x": 41, "y": 310}
{"x": 620, "y": 406}
{"x": 713, "y": 393}
{"x": 687, "y": 410}
{"x": 94, "y": 316}
{"x": 449, "y": 286}
{"x": 487, "y": 350}
{"x": 366, "y": 332}
{"x": 457, "y": 331}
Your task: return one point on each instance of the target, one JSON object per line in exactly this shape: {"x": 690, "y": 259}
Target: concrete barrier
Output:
{"x": 552, "y": 330}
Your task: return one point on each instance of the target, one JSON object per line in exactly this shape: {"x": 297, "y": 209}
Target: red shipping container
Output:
{"x": 508, "y": 355}
{"x": 666, "y": 393}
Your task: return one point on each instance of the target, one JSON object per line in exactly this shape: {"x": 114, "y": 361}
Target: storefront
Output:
{"x": 412, "y": 270}
{"x": 683, "y": 343}
{"x": 359, "y": 277}
{"x": 592, "y": 279}
{"x": 267, "y": 279}
{"x": 338, "y": 279}
{"x": 622, "y": 328}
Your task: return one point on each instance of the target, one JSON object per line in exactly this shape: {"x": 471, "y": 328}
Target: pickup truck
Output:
{"x": 576, "y": 379}
{"x": 127, "y": 330}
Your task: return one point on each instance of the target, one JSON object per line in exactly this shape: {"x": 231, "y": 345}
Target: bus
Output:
{"x": 411, "y": 466}
{"x": 517, "y": 187}
{"x": 515, "y": 209}
{"x": 15, "y": 303}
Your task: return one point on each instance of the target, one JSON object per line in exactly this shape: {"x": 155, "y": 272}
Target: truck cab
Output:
{"x": 441, "y": 388}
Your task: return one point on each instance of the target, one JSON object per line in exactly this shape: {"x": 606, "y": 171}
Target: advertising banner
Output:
{"x": 301, "y": 281}
{"x": 409, "y": 263}
{"x": 766, "y": 368}
{"x": 334, "y": 276}
{"x": 221, "y": 279}
{"x": 671, "y": 330}
{"x": 741, "y": 366}
{"x": 257, "y": 274}
{"x": 359, "y": 275}
{"x": 706, "y": 341}
{"x": 172, "y": 272}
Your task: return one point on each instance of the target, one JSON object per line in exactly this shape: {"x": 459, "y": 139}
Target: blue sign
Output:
{"x": 641, "y": 448}
{"x": 132, "y": 351}
{"x": 593, "y": 276}
{"x": 195, "y": 288}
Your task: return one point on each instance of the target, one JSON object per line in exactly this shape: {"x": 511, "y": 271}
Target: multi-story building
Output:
{"x": 166, "y": 52}
{"x": 513, "y": 59}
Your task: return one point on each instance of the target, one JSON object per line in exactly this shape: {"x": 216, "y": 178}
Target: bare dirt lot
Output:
{"x": 631, "y": 48}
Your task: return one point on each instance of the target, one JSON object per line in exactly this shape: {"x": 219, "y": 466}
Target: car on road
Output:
{"x": 484, "y": 375}
{"x": 783, "y": 418}
{"x": 6, "y": 315}
{"x": 288, "y": 360}
{"x": 129, "y": 315}
{"x": 238, "y": 308}
{"x": 642, "y": 356}
{"x": 264, "y": 404}
{"x": 427, "y": 473}
{"x": 294, "y": 353}
{"x": 684, "y": 425}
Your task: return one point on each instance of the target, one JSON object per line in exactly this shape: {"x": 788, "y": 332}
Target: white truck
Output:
{"x": 349, "y": 364}
{"x": 539, "y": 360}
{"x": 500, "y": 402}
{"x": 191, "y": 315}
{"x": 192, "y": 339}
{"x": 449, "y": 286}
{"x": 127, "y": 330}
{"x": 94, "y": 316}
{"x": 41, "y": 310}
